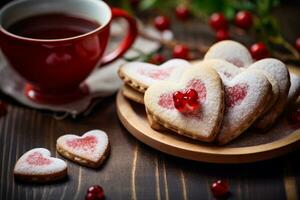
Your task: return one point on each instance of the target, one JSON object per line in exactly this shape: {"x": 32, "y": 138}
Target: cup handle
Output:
{"x": 128, "y": 39}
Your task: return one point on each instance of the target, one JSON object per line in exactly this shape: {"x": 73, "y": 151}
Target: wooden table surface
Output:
{"x": 134, "y": 170}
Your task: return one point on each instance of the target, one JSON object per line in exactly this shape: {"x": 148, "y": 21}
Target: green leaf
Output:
{"x": 147, "y": 4}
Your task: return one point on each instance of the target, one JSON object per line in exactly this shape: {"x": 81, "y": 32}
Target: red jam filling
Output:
{"x": 87, "y": 143}
{"x": 158, "y": 74}
{"x": 235, "y": 95}
{"x": 37, "y": 159}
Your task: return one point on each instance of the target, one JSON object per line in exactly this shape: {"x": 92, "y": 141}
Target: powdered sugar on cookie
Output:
{"x": 141, "y": 75}
{"x": 91, "y": 146}
{"x": 246, "y": 94}
{"x": 230, "y": 51}
{"x": 38, "y": 162}
{"x": 204, "y": 124}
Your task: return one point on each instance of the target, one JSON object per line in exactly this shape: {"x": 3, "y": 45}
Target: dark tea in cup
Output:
{"x": 53, "y": 26}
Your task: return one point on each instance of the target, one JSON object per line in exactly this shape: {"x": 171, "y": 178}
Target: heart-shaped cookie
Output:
{"x": 203, "y": 123}
{"x": 230, "y": 51}
{"x": 247, "y": 92}
{"x": 90, "y": 149}
{"x": 274, "y": 69}
{"x": 36, "y": 165}
{"x": 228, "y": 71}
{"x": 140, "y": 75}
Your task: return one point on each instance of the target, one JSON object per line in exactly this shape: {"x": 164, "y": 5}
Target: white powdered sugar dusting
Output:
{"x": 92, "y": 145}
{"x": 230, "y": 51}
{"x": 277, "y": 70}
{"x": 203, "y": 123}
{"x": 38, "y": 162}
{"x": 238, "y": 115}
{"x": 148, "y": 74}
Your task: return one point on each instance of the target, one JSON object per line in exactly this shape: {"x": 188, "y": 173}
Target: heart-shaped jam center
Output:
{"x": 236, "y": 94}
{"x": 87, "y": 143}
{"x": 186, "y": 102}
{"x": 158, "y": 74}
{"x": 37, "y": 159}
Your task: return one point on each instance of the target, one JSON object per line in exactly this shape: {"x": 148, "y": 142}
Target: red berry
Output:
{"x": 186, "y": 102}
{"x": 294, "y": 117}
{"x": 243, "y": 19}
{"x": 222, "y": 35}
{"x": 220, "y": 188}
{"x": 192, "y": 98}
{"x": 95, "y": 193}
{"x": 259, "y": 51}
{"x": 297, "y": 44}
{"x": 179, "y": 101}
{"x": 3, "y": 108}
{"x": 192, "y": 94}
{"x": 157, "y": 59}
{"x": 162, "y": 23}
{"x": 218, "y": 21}
{"x": 181, "y": 51}
{"x": 182, "y": 12}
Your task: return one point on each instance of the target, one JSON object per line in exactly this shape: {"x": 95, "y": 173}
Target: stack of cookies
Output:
{"x": 216, "y": 99}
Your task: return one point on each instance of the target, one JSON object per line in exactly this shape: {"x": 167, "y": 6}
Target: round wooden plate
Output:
{"x": 249, "y": 147}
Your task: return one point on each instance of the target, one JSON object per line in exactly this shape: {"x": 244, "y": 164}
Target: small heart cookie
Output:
{"x": 140, "y": 75}
{"x": 36, "y": 165}
{"x": 294, "y": 91}
{"x": 230, "y": 51}
{"x": 192, "y": 107}
{"x": 90, "y": 149}
{"x": 247, "y": 92}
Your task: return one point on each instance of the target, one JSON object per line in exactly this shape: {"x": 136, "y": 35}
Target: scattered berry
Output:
{"x": 222, "y": 35}
{"x": 297, "y": 44}
{"x": 220, "y": 188}
{"x": 181, "y": 51}
{"x": 259, "y": 51}
{"x": 186, "y": 102}
{"x": 182, "y": 12}
{"x": 294, "y": 117}
{"x": 162, "y": 23}
{"x": 243, "y": 19}
{"x": 157, "y": 59}
{"x": 95, "y": 193}
{"x": 3, "y": 108}
{"x": 218, "y": 21}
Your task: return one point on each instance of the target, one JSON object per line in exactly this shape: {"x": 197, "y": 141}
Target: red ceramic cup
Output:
{"x": 56, "y": 68}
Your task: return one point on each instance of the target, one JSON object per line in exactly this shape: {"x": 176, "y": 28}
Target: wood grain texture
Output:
{"x": 134, "y": 170}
